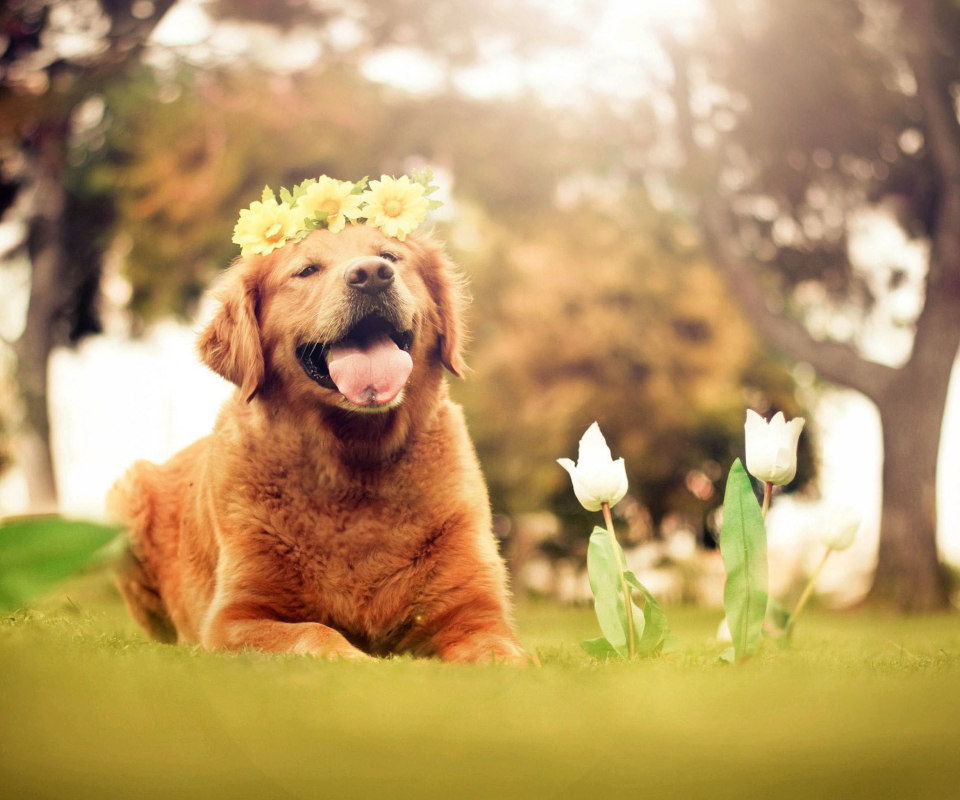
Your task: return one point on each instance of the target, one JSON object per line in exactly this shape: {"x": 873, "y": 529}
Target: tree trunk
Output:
{"x": 912, "y": 403}
{"x": 911, "y": 399}
{"x": 45, "y": 244}
{"x": 912, "y": 407}
{"x": 908, "y": 573}
{"x": 50, "y": 290}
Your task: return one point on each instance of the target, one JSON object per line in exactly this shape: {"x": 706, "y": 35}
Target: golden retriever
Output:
{"x": 337, "y": 508}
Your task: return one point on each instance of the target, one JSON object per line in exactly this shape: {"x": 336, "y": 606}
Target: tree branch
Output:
{"x": 938, "y": 327}
{"x": 943, "y": 136}
{"x": 836, "y": 362}
{"x": 939, "y": 116}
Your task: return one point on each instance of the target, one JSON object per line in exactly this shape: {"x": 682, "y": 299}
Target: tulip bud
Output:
{"x": 597, "y": 478}
{"x": 723, "y": 631}
{"x": 839, "y": 528}
{"x": 772, "y": 447}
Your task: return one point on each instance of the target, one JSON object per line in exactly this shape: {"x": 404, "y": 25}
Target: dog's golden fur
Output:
{"x": 302, "y": 524}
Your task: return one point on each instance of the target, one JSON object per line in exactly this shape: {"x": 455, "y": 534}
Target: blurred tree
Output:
{"x": 794, "y": 116}
{"x": 6, "y": 457}
{"x": 163, "y": 160}
{"x": 56, "y": 57}
{"x": 183, "y": 156}
{"x": 614, "y": 315}
{"x": 59, "y": 60}
{"x": 661, "y": 356}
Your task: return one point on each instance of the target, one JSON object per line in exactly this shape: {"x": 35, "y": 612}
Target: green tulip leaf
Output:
{"x": 599, "y": 648}
{"x": 672, "y": 644}
{"x": 743, "y": 546}
{"x": 728, "y": 656}
{"x": 777, "y": 617}
{"x": 604, "y": 572}
{"x": 655, "y": 627}
{"x": 37, "y": 553}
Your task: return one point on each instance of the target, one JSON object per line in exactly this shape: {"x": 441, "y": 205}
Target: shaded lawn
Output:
{"x": 862, "y": 706}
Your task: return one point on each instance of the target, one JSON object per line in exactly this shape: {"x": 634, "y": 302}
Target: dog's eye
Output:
{"x": 390, "y": 256}
{"x": 306, "y": 272}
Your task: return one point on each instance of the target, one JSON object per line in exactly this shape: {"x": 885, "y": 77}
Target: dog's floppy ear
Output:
{"x": 230, "y": 344}
{"x": 446, "y": 285}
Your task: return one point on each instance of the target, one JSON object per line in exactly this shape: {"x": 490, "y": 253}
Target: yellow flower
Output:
{"x": 395, "y": 205}
{"x": 333, "y": 197}
{"x": 265, "y": 226}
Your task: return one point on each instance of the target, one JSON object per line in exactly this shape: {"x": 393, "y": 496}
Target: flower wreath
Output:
{"x": 395, "y": 205}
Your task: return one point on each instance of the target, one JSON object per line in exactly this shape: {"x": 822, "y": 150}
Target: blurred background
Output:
{"x": 668, "y": 213}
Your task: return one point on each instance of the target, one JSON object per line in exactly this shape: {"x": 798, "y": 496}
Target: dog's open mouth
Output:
{"x": 369, "y": 366}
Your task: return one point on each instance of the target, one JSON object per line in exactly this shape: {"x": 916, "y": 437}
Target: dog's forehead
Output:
{"x": 332, "y": 248}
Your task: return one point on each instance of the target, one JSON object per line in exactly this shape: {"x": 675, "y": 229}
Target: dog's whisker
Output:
{"x": 302, "y": 326}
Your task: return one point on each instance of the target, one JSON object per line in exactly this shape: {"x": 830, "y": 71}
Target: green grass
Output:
{"x": 861, "y": 706}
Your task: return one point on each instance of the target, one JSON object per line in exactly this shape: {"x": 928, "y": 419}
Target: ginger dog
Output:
{"x": 337, "y": 508}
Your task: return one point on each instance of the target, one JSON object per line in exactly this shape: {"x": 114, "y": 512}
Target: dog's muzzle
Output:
{"x": 369, "y": 366}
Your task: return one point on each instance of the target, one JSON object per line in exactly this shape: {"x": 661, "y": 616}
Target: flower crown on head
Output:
{"x": 394, "y": 205}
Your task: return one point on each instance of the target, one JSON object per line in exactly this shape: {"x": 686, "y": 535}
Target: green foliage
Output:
{"x": 605, "y": 309}
{"x": 319, "y": 220}
{"x": 600, "y": 648}
{"x": 603, "y": 570}
{"x": 656, "y": 627}
{"x": 743, "y": 544}
{"x": 35, "y": 554}
{"x": 727, "y": 656}
{"x": 587, "y": 316}
{"x": 425, "y": 178}
{"x": 777, "y": 619}
{"x": 183, "y": 157}
{"x": 820, "y": 104}
{"x": 578, "y": 313}
{"x": 650, "y": 627}
{"x": 291, "y": 198}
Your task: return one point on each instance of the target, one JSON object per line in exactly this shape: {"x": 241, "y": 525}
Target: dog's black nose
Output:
{"x": 370, "y": 275}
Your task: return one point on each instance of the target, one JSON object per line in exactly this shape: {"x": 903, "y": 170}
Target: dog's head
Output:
{"x": 353, "y": 321}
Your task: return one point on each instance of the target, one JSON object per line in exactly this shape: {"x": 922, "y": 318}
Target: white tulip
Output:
{"x": 839, "y": 528}
{"x": 597, "y": 478}
{"x": 772, "y": 447}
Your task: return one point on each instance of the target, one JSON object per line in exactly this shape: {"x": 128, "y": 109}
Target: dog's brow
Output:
{"x": 301, "y": 265}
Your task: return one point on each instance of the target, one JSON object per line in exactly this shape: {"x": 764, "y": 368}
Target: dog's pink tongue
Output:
{"x": 370, "y": 374}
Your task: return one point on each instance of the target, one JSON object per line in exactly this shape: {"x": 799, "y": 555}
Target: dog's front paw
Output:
{"x": 483, "y": 648}
{"x": 324, "y": 642}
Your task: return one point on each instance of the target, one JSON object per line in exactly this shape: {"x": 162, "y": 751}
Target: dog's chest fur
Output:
{"x": 355, "y": 550}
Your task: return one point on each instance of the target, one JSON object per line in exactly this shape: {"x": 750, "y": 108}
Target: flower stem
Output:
{"x": 623, "y": 581}
{"x": 767, "y": 491}
{"x": 806, "y": 593}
